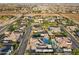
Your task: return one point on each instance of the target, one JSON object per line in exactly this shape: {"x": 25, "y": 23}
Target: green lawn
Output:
{"x": 47, "y": 24}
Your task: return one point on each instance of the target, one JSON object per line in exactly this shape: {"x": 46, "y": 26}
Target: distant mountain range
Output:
{"x": 24, "y": 4}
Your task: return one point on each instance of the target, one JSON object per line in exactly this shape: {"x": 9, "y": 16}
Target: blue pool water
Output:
{"x": 46, "y": 40}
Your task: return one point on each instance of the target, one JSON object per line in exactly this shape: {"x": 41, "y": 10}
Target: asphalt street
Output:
{"x": 24, "y": 41}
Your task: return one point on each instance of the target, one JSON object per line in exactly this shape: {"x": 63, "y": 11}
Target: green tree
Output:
{"x": 75, "y": 51}
{"x": 64, "y": 34}
{"x": 12, "y": 28}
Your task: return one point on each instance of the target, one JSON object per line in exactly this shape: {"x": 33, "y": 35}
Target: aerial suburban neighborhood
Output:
{"x": 39, "y": 29}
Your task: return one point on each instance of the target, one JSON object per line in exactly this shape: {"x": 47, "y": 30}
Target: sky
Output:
{"x": 39, "y": 1}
